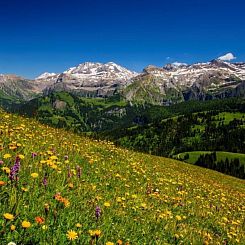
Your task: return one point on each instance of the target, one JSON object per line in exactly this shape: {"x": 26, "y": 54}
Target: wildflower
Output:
{"x": 33, "y": 154}
{"x": 11, "y": 243}
{"x": 39, "y": 220}
{"x": 6, "y": 170}
{"x": 26, "y": 224}
{"x": 97, "y": 212}
{"x": 21, "y": 156}
{"x": 94, "y": 233}
{"x": 24, "y": 189}
{"x": 12, "y": 227}
{"x": 71, "y": 235}
{"x": 34, "y": 175}
{"x": 44, "y": 227}
{"x": 8, "y": 216}
{"x": 2, "y": 183}
{"x": 97, "y": 233}
{"x": 6, "y": 156}
{"x": 107, "y": 204}
{"x": 45, "y": 181}
{"x": 70, "y": 185}
{"x": 178, "y": 217}
{"x": 109, "y": 243}
{"x": 78, "y": 225}
{"x": 15, "y": 169}
{"x": 1, "y": 162}
{"x": 119, "y": 242}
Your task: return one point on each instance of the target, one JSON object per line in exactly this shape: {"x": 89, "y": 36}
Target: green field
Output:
{"x": 221, "y": 155}
{"x": 227, "y": 117}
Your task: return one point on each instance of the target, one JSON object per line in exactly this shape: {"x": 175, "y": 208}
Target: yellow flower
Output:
{"x": 26, "y": 224}
{"x": 94, "y": 233}
{"x": 5, "y": 156}
{"x": 71, "y": 235}
{"x": 6, "y": 169}
{"x": 97, "y": 233}
{"x": 107, "y": 204}
{"x": 78, "y": 225}
{"x": 12, "y": 227}
{"x": 34, "y": 175}
{"x": 109, "y": 243}
{"x": 21, "y": 156}
{"x": 178, "y": 217}
{"x": 24, "y": 189}
{"x": 44, "y": 227}
{"x": 8, "y": 216}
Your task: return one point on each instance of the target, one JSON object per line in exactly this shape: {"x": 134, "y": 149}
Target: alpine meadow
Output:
{"x": 122, "y": 122}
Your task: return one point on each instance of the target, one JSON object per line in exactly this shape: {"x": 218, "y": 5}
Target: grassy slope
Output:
{"x": 220, "y": 156}
{"x": 193, "y": 204}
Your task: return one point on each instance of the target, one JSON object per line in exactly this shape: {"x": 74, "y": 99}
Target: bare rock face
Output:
{"x": 91, "y": 79}
{"x": 157, "y": 85}
{"x": 178, "y": 81}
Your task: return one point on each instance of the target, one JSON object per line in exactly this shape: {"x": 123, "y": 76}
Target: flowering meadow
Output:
{"x": 57, "y": 187}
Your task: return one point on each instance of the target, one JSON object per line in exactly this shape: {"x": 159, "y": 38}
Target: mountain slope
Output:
{"x": 104, "y": 194}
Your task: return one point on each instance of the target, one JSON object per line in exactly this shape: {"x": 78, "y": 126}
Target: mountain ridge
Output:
{"x": 165, "y": 85}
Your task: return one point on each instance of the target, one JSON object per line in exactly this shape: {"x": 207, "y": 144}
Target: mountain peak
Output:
{"x": 45, "y": 75}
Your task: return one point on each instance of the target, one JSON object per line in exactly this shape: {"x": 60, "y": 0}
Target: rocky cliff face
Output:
{"x": 179, "y": 82}
{"x": 157, "y": 85}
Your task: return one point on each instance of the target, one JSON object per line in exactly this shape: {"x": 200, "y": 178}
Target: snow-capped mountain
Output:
{"x": 179, "y": 81}
{"x": 92, "y": 79}
{"x": 47, "y": 75}
{"x": 158, "y": 85}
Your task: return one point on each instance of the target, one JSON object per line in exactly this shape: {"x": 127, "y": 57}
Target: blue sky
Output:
{"x": 38, "y": 36}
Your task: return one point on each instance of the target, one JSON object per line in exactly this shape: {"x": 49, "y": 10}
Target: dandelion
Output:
{"x": 6, "y": 170}
{"x": 12, "y": 227}
{"x": 34, "y": 175}
{"x": 72, "y": 235}
{"x": 8, "y": 216}
{"x": 44, "y": 227}
{"x": 97, "y": 212}
{"x": 107, "y": 204}
{"x": 78, "y": 225}
{"x": 26, "y": 224}
{"x": 178, "y": 217}
{"x": 6, "y": 156}
{"x": 109, "y": 243}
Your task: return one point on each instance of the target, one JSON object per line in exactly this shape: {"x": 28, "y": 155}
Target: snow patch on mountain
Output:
{"x": 46, "y": 75}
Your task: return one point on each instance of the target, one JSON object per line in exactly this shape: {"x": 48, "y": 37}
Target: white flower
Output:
{"x": 11, "y": 243}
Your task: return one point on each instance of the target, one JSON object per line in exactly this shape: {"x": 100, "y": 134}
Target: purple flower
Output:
{"x": 45, "y": 181}
{"x": 1, "y": 162}
{"x": 33, "y": 154}
{"x": 15, "y": 169}
{"x": 97, "y": 212}
{"x": 79, "y": 171}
